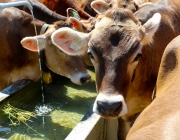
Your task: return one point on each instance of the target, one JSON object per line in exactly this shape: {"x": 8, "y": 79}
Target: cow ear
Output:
{"x": 76, "y": 24}
{"x": 70, "y": 41}
{"x": 100, "y": 6}
{"x": 139, "y": 6}
{"x": 151, "y": 26}
{"x": 73, "y": 13}
{"x": 31, "y": 44}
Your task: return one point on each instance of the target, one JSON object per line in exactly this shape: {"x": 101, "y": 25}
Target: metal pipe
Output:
{"x": 12, "y": 4}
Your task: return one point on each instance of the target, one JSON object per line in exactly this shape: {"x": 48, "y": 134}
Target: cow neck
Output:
{"x": 42, "y": 55}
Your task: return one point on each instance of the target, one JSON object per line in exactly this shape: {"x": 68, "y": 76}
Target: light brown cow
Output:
{"x": 161, "y": 119}
{"x": 126, "y": 54}
{"x": 109, "y": 68}
{"x": 43, "y": 13}
{"x": 101, "y": 6}
{"x": 18, "y": 63}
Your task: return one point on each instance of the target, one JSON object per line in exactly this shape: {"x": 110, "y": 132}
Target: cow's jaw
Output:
{"x": 110, "y": 106}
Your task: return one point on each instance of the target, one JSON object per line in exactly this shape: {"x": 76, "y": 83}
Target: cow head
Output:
{"x": 78, "y": 23}
{"x": 57, "y": 61}
{"x": 114, "y": 47}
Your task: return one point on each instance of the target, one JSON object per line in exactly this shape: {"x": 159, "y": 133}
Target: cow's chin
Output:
{"x": 110, "y": 117}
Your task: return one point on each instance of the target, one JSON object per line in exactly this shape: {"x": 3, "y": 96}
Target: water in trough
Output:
{"x": 65, "y": 103}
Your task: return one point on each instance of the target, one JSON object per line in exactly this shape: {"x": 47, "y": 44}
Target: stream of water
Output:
{"x": 40, "y": 67}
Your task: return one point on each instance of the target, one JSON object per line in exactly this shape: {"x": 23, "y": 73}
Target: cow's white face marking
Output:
{"x": 110, "y": 99}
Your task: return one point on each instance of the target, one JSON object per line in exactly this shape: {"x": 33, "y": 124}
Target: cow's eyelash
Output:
{"x": 137, "y": 57}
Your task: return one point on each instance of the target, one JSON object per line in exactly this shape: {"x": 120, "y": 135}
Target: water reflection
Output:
{"x": 68, "y": 103}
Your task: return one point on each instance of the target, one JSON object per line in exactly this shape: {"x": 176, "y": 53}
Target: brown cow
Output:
{"x": 126, "y": 54}
{"x": 43, "y": 13}
{"x": 18, "y": 63}
{"x": 86, "y": 6}
{"x": 160, "y": 120}
{"x": 60, "y": 6}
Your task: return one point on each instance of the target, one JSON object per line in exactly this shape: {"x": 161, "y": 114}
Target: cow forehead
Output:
{"x": 127, "y": 25}
{"x": 104, "y": 22}
{"x": 13, "y": 12}
{"x": 107, "y": 29}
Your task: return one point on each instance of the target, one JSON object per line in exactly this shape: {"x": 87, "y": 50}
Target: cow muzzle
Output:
{"x": 110, "y": 106}
{"x": 81, "y": 78}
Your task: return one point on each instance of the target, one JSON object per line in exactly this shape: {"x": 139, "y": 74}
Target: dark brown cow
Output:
{"x": 43, "y": 13}
{"x": 86, "y": 6}
{"x": 18, "y": 63}
{"x": 160, "y": 120}
{"x": 60, "y": 7}
{"x": 126, "y": 54}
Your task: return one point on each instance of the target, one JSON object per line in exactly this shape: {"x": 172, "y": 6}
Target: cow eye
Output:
{"x": 137, "y": 57}
{"x": 133, "y": 76}
{"x": 90, "y": 55}
{"x": 124, "y": 6}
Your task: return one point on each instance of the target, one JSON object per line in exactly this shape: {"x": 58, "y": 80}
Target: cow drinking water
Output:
{"x": 19, "y": 63}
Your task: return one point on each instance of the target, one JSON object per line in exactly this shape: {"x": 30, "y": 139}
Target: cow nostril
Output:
{"x": 118, "y": 108}
{"x": 107, "y": 108}
{"x": 85, "y": 79}
{"x": 100, "y": 106}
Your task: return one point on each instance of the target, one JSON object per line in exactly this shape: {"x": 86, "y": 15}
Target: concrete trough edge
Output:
{"x": 93, "y": 127}
{"x": 13, "y": 88}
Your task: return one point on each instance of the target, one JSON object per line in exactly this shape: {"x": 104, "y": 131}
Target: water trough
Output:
{"x": 71, "y": 119}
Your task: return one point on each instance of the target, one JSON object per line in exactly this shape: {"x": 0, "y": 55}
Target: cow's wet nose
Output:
{"x": 85, "y": 79}
{"x": 112, "y": 109}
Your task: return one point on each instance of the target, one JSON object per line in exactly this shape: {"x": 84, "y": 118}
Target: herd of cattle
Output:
{"x": 132, "y": 44}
